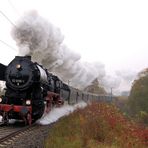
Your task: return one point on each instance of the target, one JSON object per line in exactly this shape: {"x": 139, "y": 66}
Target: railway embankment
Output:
{"x": 97, "y": 125}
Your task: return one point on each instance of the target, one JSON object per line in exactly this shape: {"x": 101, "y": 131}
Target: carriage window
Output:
{"x": 52, "y": 82}
{"x": 57, "y": 83}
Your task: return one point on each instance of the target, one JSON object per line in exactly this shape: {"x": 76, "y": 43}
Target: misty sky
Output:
{"x": 112, "y": 32}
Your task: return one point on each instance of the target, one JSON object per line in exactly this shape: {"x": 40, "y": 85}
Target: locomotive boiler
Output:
{"x": 30, "y": 90}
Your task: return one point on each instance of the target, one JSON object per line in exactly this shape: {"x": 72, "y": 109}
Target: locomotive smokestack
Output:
{"x": 26, "y": 57}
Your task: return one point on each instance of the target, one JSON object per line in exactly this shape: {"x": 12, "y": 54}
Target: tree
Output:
{"x": 138, "y": 99}
{"x": 95, "y": 88}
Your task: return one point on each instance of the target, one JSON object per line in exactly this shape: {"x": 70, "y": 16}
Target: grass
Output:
{"x": 98, "y": 125}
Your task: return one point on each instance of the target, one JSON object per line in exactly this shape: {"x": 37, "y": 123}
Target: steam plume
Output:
{"x": 57, "y": 113}
{"x": 120, "y": 81}
{"x": 37, "y": 37}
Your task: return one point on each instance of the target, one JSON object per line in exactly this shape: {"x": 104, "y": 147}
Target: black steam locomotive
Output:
{"x": 30, "y": 90}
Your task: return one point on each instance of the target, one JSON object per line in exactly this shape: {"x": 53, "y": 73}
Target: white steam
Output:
{"x": 57, "y": 113}
{"x": 127, "y": 77}
{"x": 111, "y": 81}
{"x": 121, "y": 81}
{"x": 37, "y": 37}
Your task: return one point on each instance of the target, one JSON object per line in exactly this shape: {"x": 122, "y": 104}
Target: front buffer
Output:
{"x": 19, "y": 112}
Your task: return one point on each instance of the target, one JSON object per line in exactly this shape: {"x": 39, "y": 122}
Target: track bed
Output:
{"x": 17, "y": 136}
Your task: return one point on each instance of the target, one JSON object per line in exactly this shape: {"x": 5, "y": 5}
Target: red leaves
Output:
{"x": 111, "y": 126}
{"x": 98, "y": 125}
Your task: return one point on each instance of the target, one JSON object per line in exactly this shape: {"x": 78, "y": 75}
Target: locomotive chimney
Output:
{"x": 26, "y": 57}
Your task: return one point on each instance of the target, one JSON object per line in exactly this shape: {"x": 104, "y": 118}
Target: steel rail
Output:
{"x": 10, "y": 134}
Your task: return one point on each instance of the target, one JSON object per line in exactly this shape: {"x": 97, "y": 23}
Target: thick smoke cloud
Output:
{"x": 37, "y": 37}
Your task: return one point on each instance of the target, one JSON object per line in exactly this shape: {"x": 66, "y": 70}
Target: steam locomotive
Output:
{"x": 32, "y": 91}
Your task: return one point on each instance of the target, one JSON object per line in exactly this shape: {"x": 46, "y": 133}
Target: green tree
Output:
{"x": 138, "y": 99}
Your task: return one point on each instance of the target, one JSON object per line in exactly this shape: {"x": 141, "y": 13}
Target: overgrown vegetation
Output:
{"x": 99, "y": 125}
{"x": 121, "y": 103}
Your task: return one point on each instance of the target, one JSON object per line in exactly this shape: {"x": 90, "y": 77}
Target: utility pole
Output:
{"x": 111, "y": 93}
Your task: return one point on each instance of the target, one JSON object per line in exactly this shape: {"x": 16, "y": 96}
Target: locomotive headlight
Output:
{"x": 1, "y": 100}
{"x": 18, "y": 66}
{"x": 28, "y": 102}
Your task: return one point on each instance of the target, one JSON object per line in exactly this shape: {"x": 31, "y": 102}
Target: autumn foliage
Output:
{"x": 97, "y": 125}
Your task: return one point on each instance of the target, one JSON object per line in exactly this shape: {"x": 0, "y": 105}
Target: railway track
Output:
{"x": 8, "y": 134}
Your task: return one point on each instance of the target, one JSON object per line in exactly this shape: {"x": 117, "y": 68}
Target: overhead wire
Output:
{"x": 13, "y": 7}
{"x": 8, "y": 45}
{"x": 2, "y": 13}
{"x": 11, "y": 24}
